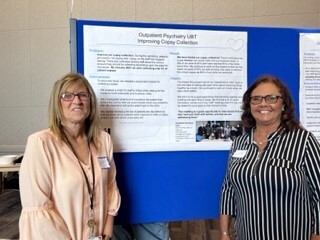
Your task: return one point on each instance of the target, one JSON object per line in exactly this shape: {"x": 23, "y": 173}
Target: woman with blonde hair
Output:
{"x": 68, "y": 176}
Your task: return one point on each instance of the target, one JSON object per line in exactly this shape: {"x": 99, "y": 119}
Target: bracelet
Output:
{"x": 224, "y": 233}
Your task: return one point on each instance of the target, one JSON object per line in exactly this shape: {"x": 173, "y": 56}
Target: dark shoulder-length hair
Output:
{"x": 288, "y": 119}
{"x": 92, "y": 123}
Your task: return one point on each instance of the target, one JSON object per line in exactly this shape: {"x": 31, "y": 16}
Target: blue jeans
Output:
{"x": 143, "y": 231}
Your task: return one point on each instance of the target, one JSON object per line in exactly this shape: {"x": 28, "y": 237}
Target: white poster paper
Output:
{"x": 310, "y": 82}
{"x": 167, "y": 89}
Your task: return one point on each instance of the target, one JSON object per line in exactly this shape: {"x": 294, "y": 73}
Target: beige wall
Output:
{"x": 34, "y": 43}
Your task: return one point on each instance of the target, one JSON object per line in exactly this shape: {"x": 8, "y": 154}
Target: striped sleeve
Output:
{"x": 227, "y": 206}
{"x": 312, "y": 166}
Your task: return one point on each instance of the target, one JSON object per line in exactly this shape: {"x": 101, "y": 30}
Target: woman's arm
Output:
{"x": 315, "y": 237}
{"x": 312, "y": 166}
{"x": 113, "y": 196}
{"x": 224, "y": 226}
{"x": 108, "y": 229}
{"x": 38, "y": 219}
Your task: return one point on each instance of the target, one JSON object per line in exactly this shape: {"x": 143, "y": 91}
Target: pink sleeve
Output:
{"x": 38, "y": 219}
{"x": 113, "y": 197}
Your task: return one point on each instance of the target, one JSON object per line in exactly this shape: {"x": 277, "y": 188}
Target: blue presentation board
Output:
{"x": 185, "y": 185}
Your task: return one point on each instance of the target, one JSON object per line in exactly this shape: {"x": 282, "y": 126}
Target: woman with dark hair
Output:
{"x": 272, "y": 183}
{"x": 287, "y": 120}
{"x": 68, "y": 176}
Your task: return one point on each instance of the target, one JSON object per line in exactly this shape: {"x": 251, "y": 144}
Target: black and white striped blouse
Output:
{"x": 274, "y": 194}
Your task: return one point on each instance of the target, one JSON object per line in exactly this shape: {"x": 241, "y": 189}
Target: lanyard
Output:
{"x": 90, "y": 190}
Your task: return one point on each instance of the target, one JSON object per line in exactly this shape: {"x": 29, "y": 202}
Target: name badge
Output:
{"x": 103, "y": 162}
{"x": 239, "y": 153}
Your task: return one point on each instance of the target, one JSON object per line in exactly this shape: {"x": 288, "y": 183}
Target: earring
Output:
{"x": 282, "y": 108}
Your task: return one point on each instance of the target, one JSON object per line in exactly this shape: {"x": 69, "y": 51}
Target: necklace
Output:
{"x": 259, "y": 142}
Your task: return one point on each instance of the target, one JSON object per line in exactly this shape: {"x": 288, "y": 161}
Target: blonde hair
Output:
{"x": 92, "y": 123}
